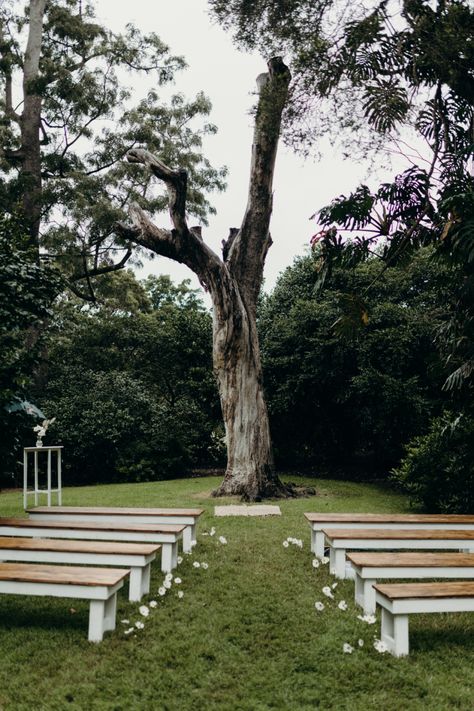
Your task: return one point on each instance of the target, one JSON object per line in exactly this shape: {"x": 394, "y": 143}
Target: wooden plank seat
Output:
{"x": 99, "y": 585}
{"x": 126, "y": 514}
{"x": 340, "y": 540}
{"x": 320, "y": 521}
{"x": 371, "y": 567}
{"x": 399, "y": 600}
{"x": 167, "y": 535}
{"x": 138, "y": 557}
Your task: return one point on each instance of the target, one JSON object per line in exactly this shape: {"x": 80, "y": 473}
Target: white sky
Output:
{"x": 227, "y": 77}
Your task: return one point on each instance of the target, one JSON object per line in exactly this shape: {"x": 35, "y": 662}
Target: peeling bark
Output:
{"x": 234, "y": 283}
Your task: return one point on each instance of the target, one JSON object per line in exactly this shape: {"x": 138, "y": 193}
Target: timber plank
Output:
{"x": 93, "y": 526}
{"x": 388, "y": 518}
{"x": 399, "y": 591}
{"x": 408, "y": 560}
{"x": 397, "y": 534}
{"x": 61, "y": 574}
{"x": 114, "y": 511}
{"x": 73, "y": 546}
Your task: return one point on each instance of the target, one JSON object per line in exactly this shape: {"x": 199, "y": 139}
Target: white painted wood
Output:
{"x": 37, "y": 490}
{"x": 167, "y": 558}
{"x": 394, "y": 632}
{"x": 369, "y": 575}
{"x": 189, "y": 536}
{"x": 317, "y": 537}
{"x": 136, "y": 584}
{"x": 96, "y": 621}
{"x": 377, "y": 544}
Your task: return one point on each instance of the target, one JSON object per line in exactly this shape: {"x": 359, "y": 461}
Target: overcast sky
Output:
{"x": 227, "y": 77}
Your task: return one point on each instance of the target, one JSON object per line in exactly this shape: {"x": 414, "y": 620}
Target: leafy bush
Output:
{"x": 438, "y": 470}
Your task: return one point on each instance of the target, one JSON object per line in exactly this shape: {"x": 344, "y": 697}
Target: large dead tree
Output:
{"x": 234, "y": 283}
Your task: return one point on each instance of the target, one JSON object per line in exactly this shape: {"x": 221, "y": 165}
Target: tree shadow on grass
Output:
{"x": 451, "y": 638}
{"x": 42, "y": 614}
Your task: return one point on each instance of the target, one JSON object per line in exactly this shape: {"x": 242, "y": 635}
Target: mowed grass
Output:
{"x": 246, "y": 634}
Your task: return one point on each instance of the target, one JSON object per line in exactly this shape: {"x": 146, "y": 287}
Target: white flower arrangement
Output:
{"x": 41, "y": 430}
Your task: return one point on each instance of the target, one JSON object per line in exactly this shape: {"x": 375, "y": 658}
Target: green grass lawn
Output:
{"x": 246, "y": 634}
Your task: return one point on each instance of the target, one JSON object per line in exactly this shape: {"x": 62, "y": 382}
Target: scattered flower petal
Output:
{"x": 129, "y": 631}
{"x": 334, "y": 586}
{"x": 327, "y": 591}
{"x": 180, "y": 594}
{"x": 125, "y": 622}
{"x": 222, "y": 540}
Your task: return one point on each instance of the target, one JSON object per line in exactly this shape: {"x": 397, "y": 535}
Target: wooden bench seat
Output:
{"x": 99, "y": 585}
{"x": 125, "y": 514}
{"x": 399, "y": 600}
{"x": 320, "y": 521}
{"x": 167, "y": 535}
{"x": 135, "y": 556}
{"x": 343, "y": 539}
{"x": 371, "y": 567}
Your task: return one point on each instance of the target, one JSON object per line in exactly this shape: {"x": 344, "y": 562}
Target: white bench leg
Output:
{"x": 146, "y": 579}
{"x": 188, "y": 539}
{"x": 337, "y": 562}
{"x": 96, "y": 620}
{"x": 317, "y": 543}
{"x": 369, "y": 603}
{"x": 167, "y": 557}
{"x": 136, "y": 585}
{"x": 394, "y": 633}
{"x": 110, "y": 613}
{"x": 174, "y": 556}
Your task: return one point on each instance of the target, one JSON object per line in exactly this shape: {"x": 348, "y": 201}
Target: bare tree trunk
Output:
{"x": 234, "y": 283}
{"x": 31, "y": 123}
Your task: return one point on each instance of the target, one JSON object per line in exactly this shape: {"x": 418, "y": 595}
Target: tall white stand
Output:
{"x": 36, "y": 490}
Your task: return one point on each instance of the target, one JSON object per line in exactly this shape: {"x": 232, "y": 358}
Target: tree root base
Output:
{"x": 271, "y": 490}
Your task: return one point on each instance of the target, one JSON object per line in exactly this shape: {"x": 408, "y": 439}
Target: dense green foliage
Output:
{"x": 132, "y": 390}
{"x": 353, "y": 397}
{"x": 26, "y": 294}
{"x": 437, "y": 471}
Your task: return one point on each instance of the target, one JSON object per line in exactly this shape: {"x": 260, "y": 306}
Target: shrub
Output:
{"x": 438, "y": 469}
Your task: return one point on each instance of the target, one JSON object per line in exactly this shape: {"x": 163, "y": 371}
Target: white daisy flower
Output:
{"x": 347, "y": 649}
{"x": 180, "y": 594}
{"x": 143, "y": 610}
{"x": 162, "y": 591}
{"x": 153, "y": 603}
{"x": 325, "y": 560}
{"x": 222, "y": 540}
{"x": 169, "y": 576}
{"x": 370, "y": 619}
{"x": 315, "y": 563}
{"x": 180, "y": 560}
{"x": 380, "y": 646}
{"x": 139, "y": 625}
{"x": 285, "y": 544}
{"x": 205, "y": 566}
{"x": 212, "y": 531}
{"x": 177, "y": 581}
{"x": 196, "y": 564}
{"x": 342, "y": 605}
{"x": 319, "y": 606}
{"x": 327, "y": 591}
{"x": 360, "y": 642}
{"x": 167, "y": 584}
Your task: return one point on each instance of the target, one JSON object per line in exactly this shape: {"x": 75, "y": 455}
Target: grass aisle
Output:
{"x": 244, "y": 636}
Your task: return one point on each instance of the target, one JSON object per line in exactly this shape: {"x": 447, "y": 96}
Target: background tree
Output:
{"x": 63, "y": 137}
{"x": 234, "y": 284}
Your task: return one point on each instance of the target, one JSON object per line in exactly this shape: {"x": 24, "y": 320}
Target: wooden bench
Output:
{"x": 343, "y": 539}
{"x": 135, "y": 556}
{"x": 400, "y": 600}
{"x": 320, "y": 521}
{"x": 99, "y": 585}
{"x": 107, "y": 514}
{"x": 166, "y": 534}
{"x": 370, "y": 567}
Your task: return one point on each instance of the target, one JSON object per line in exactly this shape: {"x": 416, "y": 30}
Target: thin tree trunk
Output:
{"x": 31, "y": 124}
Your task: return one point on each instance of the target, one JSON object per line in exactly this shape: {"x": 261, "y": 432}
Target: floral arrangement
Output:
{"x": 41, "y": 430}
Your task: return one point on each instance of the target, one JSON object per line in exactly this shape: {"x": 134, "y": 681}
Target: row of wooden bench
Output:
{"x": 379, "y": 533}
{"x": 93, "y": 536}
